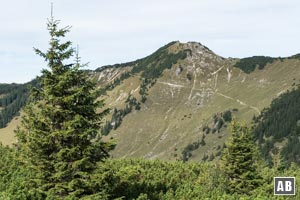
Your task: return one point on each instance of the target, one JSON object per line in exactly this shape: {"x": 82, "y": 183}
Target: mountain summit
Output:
{"x": 177, "y": 102}
{"x": 186, "y": 95}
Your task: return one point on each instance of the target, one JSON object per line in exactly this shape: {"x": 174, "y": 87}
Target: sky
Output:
{"x": 117, "y": 31}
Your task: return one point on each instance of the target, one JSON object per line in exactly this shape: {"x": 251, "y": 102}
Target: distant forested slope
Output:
{"x": 278, "y": 123}
{"x": 12, "y": 98}
{"x": 249, "y": 64}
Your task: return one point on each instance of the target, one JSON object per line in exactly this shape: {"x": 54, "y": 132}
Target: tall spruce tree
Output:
{"x": 240, "y": 160}
{"x": 59, "y": 136}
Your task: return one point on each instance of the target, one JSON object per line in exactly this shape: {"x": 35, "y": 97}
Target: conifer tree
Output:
{"x": 59, "y": 137}
{"x": 239, "y": 161}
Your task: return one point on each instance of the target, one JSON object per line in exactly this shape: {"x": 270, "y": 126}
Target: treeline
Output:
{"x": 150, "y": 67}
{"x": 12, "y": 98}
{"x": 6, "y": 88}
{"x": 154, "y": 66}
{"x": 132, "y": 63}
{"x": 279, "y": 122}
{"x": 137, "y": 66}
{"x": 114, "y": 83}
{"x": 249, "y": 64}
{"x": 296, "y": 56}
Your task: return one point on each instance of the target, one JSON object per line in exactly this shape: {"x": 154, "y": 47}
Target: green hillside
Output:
{"x": 277, "y": 129}
{"x": 171, "y": 103}
{"x": 12, "y": 98}
{"x": 186, "y": 98}
{"x": 172, "y": 125}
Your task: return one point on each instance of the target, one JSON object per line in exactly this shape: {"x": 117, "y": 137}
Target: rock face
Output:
{"x": 183, "y": 100}
{"x": 164, "y": 102}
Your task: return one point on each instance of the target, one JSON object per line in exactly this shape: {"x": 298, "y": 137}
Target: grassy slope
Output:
{"x": 166, "y": 123}
{"x": 7, "y": 136}
{"x": 173, "y": 115}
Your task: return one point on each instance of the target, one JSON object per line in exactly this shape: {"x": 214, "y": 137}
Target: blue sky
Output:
{"x": 117, "y": 31}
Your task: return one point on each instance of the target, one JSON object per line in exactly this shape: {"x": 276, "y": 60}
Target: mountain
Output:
{"x": 177, "y": 102}
{"x": 188, "y": 99}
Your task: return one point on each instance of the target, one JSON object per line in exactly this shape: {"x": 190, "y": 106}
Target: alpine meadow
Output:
{"x": 181, "y": 123}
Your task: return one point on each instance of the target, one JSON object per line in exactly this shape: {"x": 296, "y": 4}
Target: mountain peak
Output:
{"x": 197, "y": 51}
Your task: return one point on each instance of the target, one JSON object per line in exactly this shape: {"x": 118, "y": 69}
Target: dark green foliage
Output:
{"x": 211, "y": 157}
{"x": 296, "y": 56}
{"x": 14, "y": 176}
{"x": 106, "y": 128}
{"x": 164, "y": 61}
{"x": 7, "y": 88}
{"x": 154, "y": 67}
{"x": 138, "y": 106}
{"x": 59, "y": 139}
{"x": 143, "y": 63}
{"x": 121, "y": 65}
{"x": 248, "y": 65}
{"x": 239, "y": 161}
{"x": 132, "y": 102}
{"x": 218, "y": 122}
{"x": 205, "y": 157}
{"x": 189, "y": 76}
{"x": 187, "y": 151}
{"x": 143, "y": 90}
{"x": 143, "y": 98}
{"x": 143, "y": 179}
{"x": 206, "y": 129}
{"x": 119, "y": 114}
{"x": 281, "y": 117}
{"x": 227, "y": 116}
{"x": 137, "y": 178}
{"x": 235, "y": 109}
{"x": 130, "y": 179}
{"x": 218, "y": 153}
{"x": 150, "y": 67}
{"x": 265, "y": 150}
{"x": 291, "y": 151}
{"x": 13, "y": 99}
{"x": 133, "y": 63}
{"x": 277, "y": 122}
{"x": 202, "y": 142}
{"x": 115, "y": 83}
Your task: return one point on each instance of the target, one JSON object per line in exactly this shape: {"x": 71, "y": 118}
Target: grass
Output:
{"x": 154, "y": 132}
{"x": 7, "y": 136}
{"x": 173, "y": 115}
